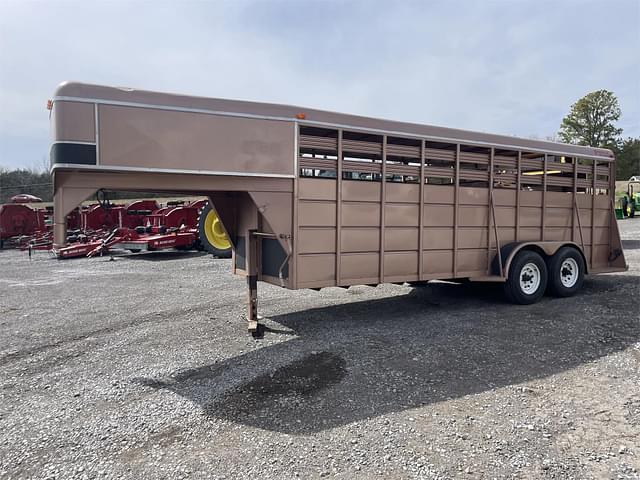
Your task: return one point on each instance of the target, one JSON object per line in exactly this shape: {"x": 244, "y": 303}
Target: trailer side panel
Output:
{"x": 475, "y": 200}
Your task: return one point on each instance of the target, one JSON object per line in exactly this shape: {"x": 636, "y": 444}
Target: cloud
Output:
{"x": 504, "y": 67}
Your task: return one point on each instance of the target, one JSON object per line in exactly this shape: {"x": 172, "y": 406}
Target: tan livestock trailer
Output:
{"x": 313, "y": 199}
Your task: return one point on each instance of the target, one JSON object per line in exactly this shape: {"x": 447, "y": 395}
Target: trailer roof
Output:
{"x": 75, "y": 91}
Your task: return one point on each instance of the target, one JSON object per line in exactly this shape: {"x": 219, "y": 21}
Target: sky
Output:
{"x": 501, "y": 66}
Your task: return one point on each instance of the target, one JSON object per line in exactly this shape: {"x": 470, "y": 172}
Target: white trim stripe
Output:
{"x": 461, "y": 140}
{"x": 170, "y": 108}
{"x": 74, "y": 166}
{"x": 70, "y": 141}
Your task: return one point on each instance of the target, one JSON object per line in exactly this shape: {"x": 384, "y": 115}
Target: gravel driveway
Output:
{"x": 141, "y": 368}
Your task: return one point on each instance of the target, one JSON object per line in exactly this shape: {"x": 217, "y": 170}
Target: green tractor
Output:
{"x": 630, "y": 201}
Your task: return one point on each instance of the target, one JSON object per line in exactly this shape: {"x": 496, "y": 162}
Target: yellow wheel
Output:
{"x": 212, "y": 235}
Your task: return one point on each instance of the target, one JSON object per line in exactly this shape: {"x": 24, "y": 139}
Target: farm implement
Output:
{"x": 134, "y": 240}
{"x": 98, "y": 228}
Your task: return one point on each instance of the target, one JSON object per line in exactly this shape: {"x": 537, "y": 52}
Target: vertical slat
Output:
{"x": 421, "y": 209}
{"x": 456, "y": 201}
{"x": 593, "y": 211}
{"x": 489, "y": 210}
{"x": 518, "y": 188}
{"x": 339, "y": 208}
{"x": 612, "y": 212}
{"x": 544, "y": 198}
{"x": 294, "y": 243}
{"x": 383, "y": 200}
{"x": 575, "y": 199}
{"x": 97, "y": 132}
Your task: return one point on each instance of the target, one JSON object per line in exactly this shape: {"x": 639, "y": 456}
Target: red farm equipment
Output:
{"x": 19, "y": 220}
{"x": 142, "y": 225}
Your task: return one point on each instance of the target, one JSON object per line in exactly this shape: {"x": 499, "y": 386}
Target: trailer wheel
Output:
{"x": 211, "y": 234}
{"x": 527, "y": 278}
{"x": 135, "y": 250}
{"x": 566, "y": 272}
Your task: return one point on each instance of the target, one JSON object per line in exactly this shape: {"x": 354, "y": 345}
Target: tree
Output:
{"x": 34, "y": 182}
{"x": 591, "y": 121}
{"x": 628, "y": 159}
{"x": 39, "y": 183}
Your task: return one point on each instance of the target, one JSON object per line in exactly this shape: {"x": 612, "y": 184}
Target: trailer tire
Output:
{"x": 211, "y": 235}
{"x": 527, "y": 280}
{"x": 566, "y": 272}
{"x": 135, "y": 250}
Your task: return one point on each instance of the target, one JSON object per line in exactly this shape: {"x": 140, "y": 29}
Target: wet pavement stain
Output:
{"x": 284, "y": 391}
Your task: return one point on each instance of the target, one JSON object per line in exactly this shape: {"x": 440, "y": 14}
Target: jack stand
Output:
{"x": 254, "y": 328}
{"x": 252, "y": 311}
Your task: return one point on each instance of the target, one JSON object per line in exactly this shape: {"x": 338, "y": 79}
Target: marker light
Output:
{"x": 540, "y": 172}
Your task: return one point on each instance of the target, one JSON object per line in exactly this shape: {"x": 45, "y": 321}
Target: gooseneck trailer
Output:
{"x": 313, "y": 199}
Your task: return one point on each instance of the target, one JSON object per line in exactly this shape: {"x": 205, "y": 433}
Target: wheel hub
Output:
{"x": 569, "y": 272}
{"x": 530, "y": 278}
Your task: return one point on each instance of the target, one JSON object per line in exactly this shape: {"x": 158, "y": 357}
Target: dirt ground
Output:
{"x": 140, "y": 368}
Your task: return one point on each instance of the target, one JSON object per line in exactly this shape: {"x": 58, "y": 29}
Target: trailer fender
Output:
{"x": 546, "y": 249}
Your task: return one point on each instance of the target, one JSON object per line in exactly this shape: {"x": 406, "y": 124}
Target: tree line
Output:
{"x": 40, "y": 184}
{"x": 34, "y": 182}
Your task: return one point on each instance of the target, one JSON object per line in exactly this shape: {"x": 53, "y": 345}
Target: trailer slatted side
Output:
{"x": 450, "y": 221}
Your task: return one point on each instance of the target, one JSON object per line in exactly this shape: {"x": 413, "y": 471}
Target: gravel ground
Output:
{"x": 140, "y": 368}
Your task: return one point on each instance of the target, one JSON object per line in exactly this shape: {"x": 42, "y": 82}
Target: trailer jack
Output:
{"x": 252, "y": 314}
{"x": 254, "y": 326}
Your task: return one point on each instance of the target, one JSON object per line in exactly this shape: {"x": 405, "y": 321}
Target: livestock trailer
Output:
{"x": 313, "y": 199}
